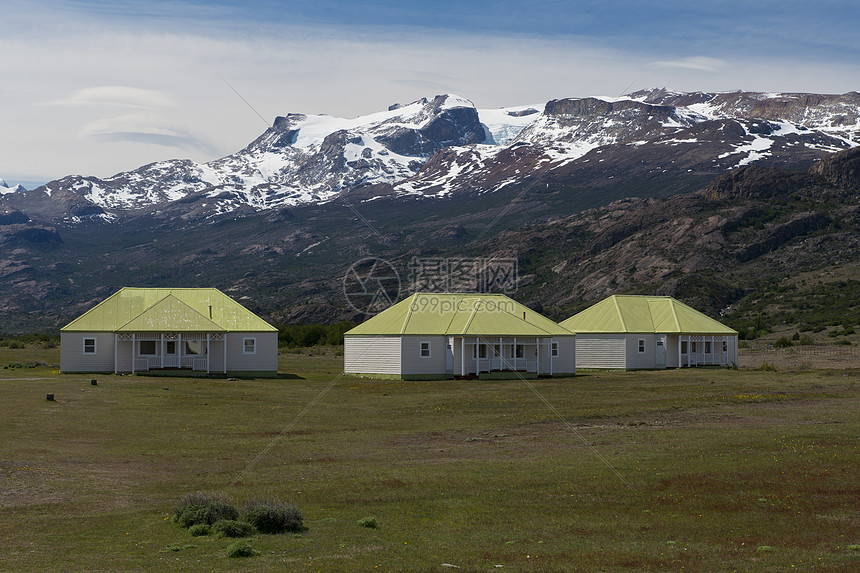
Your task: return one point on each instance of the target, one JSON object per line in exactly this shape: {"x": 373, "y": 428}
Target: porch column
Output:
{"x": 162, "y": 350}
{"x": 689, "y": 350}
{"x": 208, "y": 340}
{"x": 225, "y": 353}
{"x": 133, "y": 336}
{"x": 115, "y": 344}
{"x": 514, "y": 354}
{"x": 537, "y": 356}
{"x": 463, "y": 356}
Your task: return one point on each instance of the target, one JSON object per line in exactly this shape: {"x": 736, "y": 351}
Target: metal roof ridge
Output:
{"x": 620, "y": 314}
{"x": 471, "y": 317}
{"x": 408, "y": 313}
{"x": 672, "y": 302}
{"x": 144, "y": 311}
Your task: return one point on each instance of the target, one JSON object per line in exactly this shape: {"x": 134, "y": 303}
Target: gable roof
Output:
{"x": 458, "y": 314}
{"x": 644, "y": 315}
{"x": 168, "y": 310}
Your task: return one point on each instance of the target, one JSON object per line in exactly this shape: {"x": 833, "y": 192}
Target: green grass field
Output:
{"x": 687, "y": 470}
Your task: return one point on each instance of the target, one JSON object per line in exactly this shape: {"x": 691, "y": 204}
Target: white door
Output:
{"x": 661, "y": 351}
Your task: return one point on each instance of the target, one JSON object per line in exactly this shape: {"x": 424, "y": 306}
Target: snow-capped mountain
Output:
{"x": 446, "y": 146}
{"x": 5, "y": 189}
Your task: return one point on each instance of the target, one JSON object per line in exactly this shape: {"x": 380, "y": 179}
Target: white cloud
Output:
{"x": 700, "y": 63}
{"x": 144, "y": 128}
{"x": 121, "y": 96}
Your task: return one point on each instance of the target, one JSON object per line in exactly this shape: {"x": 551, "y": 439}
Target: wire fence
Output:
{"x": 806, "y": 350}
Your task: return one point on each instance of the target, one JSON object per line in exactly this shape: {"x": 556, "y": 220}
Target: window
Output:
{"x": 147, "y": 348}
{"x": 170, "y": 347}
{"x": 193, "y": 347}
{"x": 725, "y": 346}
{"x": 424, "y": 351}
{"x": 480, "y": 351}
{"x": 554, "y": 349}
{"x": 641, "y": 345}
{"x": 683, "y": 347}
{"x": 707, "y": 347}
{"x": 693, "y": 347}
{"x": 520, "y": 352}
{"x": 497, "y": 350}
{"x": 89, "y": 345}
{"x": 249, "y": 346}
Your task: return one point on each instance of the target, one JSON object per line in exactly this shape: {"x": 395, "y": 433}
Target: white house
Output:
{"x": 438, "y": 336}
{"x": 631, "y": 332}
{"x": 154, "y": 329}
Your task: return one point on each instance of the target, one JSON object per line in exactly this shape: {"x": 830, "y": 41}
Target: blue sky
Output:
{"x": 98, "y": 87}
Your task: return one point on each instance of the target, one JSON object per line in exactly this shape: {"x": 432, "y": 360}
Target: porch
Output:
{"x": 704, "y": 350}
{"x": 144, "y": 352}
{"x": 492, "y": 357}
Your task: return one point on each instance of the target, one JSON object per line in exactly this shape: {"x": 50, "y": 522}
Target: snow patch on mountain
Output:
{"x": 6, "y": 190}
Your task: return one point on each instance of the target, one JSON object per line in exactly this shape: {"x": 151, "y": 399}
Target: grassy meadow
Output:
{"x": 686, "y": 470}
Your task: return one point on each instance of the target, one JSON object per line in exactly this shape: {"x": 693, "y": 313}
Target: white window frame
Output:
{"x": 641, "y": 346}
{"x": 554, "y": 349}
{"x": 84, "y": 346}
{"x": 422, "y": 348}
{"x": 253, "y": 340}
{"x": 708, "y": 347}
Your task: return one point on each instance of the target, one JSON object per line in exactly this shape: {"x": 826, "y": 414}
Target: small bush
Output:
{"x": 273, "y": 516}
{"x": 240, "y": 549}
{"x": 369, "y": 522}
{"x": 764, "y": 548}
{"x": 232, "y": 528}
{"x": 200, "y": 530}
{"x": 767, "y": 367}
{"x": 783, "y": 342}
{"x": 206, "y": 508}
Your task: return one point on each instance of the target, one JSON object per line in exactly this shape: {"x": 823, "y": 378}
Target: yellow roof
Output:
{"x": 459, "y": 314}
{"x": 644, "y": 315}
{"x": 168, "y": 310}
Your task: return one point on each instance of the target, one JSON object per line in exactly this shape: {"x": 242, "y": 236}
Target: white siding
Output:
{"x": 565, "y": 362}
{"x": 264, "y": 359}
{"x": 672, "y": 351}
{"x": 600, "y": 351}
{"x": 647, "y": 359}
{"x": 413, "y": 363}
{"x": 73, "y": 359}
{"x": 372, "y": 355}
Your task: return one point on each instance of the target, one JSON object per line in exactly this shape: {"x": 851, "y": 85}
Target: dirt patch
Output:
{"x": 801, "y": 358}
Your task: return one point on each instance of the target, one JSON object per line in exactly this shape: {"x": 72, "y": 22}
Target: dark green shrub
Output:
{"x": 782, "y": 342}
{"x": 232, "y": 528}
{"x": 240, "y": 549}
{"x": 768, "y": 367}
{"x": 273, "y": 516}
{"x": 201, "y": 507}
{"x": 200, "y": 529}
{"x": 369, "y": 522}
{"x": 806, "y": 340}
